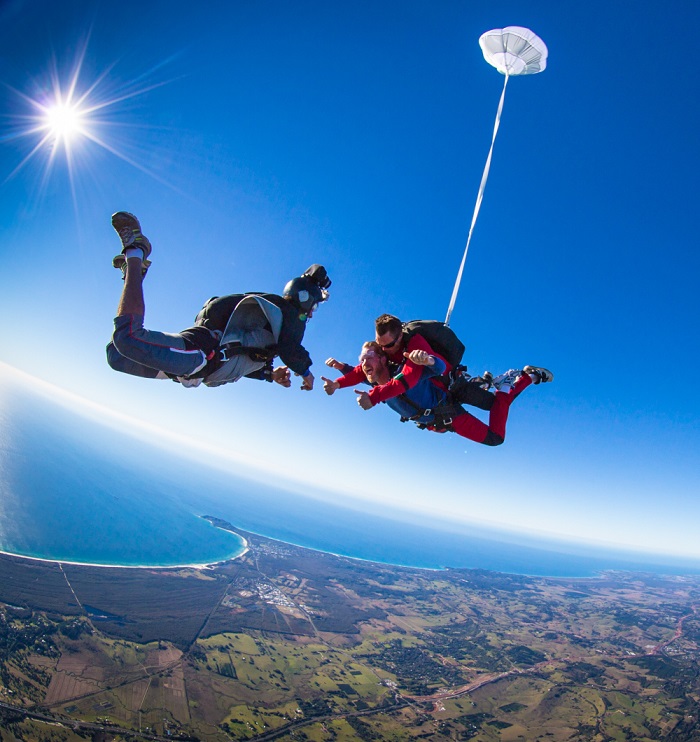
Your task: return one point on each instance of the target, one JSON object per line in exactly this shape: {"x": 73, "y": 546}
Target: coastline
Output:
{"x": 225, "y": 526}
{"x": 245, "y": 548}
{"x": 239, "y": 532}
{"x": 206, "y": 565}
{"x": 594, "y": 574}
{"x": 245, "y": 536}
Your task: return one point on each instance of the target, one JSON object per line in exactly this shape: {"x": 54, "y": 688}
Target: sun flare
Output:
{"x": 70, "y": 120}
{"x": 65, "y": 121}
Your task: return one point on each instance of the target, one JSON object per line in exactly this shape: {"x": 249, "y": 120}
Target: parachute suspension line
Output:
{"x": 479, "y": 199}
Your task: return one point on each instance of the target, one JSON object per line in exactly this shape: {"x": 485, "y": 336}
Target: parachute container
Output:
{"x": 514, "y": 50}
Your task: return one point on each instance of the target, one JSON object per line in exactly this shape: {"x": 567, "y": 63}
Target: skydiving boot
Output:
{"x": 504, "y": 382}
{"x": 486, "y": 380}
{"x": 540, "y": 375}
{"x": 129, "y": 230}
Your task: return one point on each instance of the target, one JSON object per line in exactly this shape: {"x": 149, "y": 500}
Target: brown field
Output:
{"x": 66, "y": 686}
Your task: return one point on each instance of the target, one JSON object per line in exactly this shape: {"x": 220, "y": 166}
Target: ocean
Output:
{"x": 74, "y": 490}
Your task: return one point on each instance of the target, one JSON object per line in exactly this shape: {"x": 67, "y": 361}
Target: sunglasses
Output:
{"x": 391, "y": 344}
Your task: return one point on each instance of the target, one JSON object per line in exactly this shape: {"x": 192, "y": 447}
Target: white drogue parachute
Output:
{"x": 512, "y": 51}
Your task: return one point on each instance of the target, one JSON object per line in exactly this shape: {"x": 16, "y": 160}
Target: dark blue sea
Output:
{"x": 72, "y": 489}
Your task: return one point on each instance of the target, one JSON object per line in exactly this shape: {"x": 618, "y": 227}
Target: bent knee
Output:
{"x": 492, "y": 439}
{"x": 119, "y": 362}
{"x": 114, "y": 357}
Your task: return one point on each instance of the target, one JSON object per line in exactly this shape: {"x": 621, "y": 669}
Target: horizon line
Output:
{"x": 219, "y": 459}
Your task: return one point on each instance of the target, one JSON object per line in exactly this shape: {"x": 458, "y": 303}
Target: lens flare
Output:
{"x": 72, "y": 121}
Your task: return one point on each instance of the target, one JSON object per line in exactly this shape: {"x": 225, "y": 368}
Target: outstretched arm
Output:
{"x": 344, "y": 368}
{"x": 351, "y": 377}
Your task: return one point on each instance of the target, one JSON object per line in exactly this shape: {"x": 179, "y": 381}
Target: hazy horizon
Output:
{"x": 165, "y": 497}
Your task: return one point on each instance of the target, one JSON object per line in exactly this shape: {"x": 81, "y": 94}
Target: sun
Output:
{"x": 68, "y": 120}
{"x": 64, "y": 122}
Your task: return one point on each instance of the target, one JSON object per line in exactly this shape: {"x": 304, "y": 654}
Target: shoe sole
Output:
{"x": 131, "y": 223}
{"x": 545, "y": 374}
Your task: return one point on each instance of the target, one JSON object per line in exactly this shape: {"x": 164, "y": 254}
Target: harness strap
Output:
{"x": 443, "y": 414}
{"x": 227, "y": 350}
{"x": 223, "y": 353}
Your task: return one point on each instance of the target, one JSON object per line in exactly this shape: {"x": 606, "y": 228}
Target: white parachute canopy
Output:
{"x": 512, "y": 51}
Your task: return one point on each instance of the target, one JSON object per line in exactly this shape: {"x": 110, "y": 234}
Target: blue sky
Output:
{"x": 254, "y": 138}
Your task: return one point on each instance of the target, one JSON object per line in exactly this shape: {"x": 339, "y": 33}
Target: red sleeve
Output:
{"x": 356, "y": 376}
{"x": 409, "y": 375}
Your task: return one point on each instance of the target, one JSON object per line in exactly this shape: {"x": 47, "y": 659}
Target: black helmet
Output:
{"x": 317, "y": 273}
{"x": 309, "y": 290}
